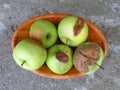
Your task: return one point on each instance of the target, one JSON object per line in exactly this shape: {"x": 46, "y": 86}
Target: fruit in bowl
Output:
{"x": 88, "y": 57}
{"x": 29, "y": 54}
{"x": 59, "y": 59}
{"x": 94, "y": 35}
{"x": 73, "y": 31}
{"x": 44, "y": 31}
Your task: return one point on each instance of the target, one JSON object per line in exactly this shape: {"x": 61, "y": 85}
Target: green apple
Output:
{"x": 88, "y": 57}
{"x": 44, "y": 31}
{"x": 29, "y": 54}
{"x": 73, "y": 31}
{"x": 59, "y": 59}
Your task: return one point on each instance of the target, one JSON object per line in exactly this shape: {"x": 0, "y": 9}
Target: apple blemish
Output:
{"x": 62, "y": 57}
{"x": 88, "y": 55}
{"x": 59, "y": 59}
{"x": 78, "y": 26}
{"x": 72, "y": 31}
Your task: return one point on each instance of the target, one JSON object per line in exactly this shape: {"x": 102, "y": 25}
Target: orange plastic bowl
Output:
{"x": 22, "y": 32}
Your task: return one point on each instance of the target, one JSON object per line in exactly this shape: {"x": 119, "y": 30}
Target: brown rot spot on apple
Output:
{"x": 62, "y": 57}
{"x": 85, "y": 56}
{"x": 78, "y": 26}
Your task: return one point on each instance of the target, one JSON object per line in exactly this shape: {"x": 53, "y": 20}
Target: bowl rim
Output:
{"x": 59, "y": 14}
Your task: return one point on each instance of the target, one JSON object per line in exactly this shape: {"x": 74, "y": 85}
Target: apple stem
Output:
{"x": 99, "y": 66}
{"x": 57, "y": 48}
{"x": 48, "y": 36}
{"x": 22, "y": 63}
{"x": 67, "y": 41}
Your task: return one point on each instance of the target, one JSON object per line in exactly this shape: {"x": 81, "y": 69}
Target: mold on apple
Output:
{"x": 88, "y": 57}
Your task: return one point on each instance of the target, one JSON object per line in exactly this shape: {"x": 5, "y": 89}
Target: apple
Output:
{"x": 59, "y": 59}
{"x": 29, "y": 54}
{"x": 88, "y": 57}
{"x": 73, "y": 31}
{"x": 44, "y": 31}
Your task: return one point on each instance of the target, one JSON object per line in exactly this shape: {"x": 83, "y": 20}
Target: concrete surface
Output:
{"x": 103, "y": 13}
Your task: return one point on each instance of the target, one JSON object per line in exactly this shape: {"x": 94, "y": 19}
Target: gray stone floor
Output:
{"x": 103, "y": 13}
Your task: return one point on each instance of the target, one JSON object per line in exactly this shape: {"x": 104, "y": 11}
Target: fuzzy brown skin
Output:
{"x": 78, "y": 26}
{"x": 85, "y": 56}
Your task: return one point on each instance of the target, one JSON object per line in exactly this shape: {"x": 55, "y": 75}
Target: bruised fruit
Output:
{"x": 59, "y": 59}
{"x": 73, "y": 31}
{"x": 88, "y": 57}
{"x": 44, "y": 31}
